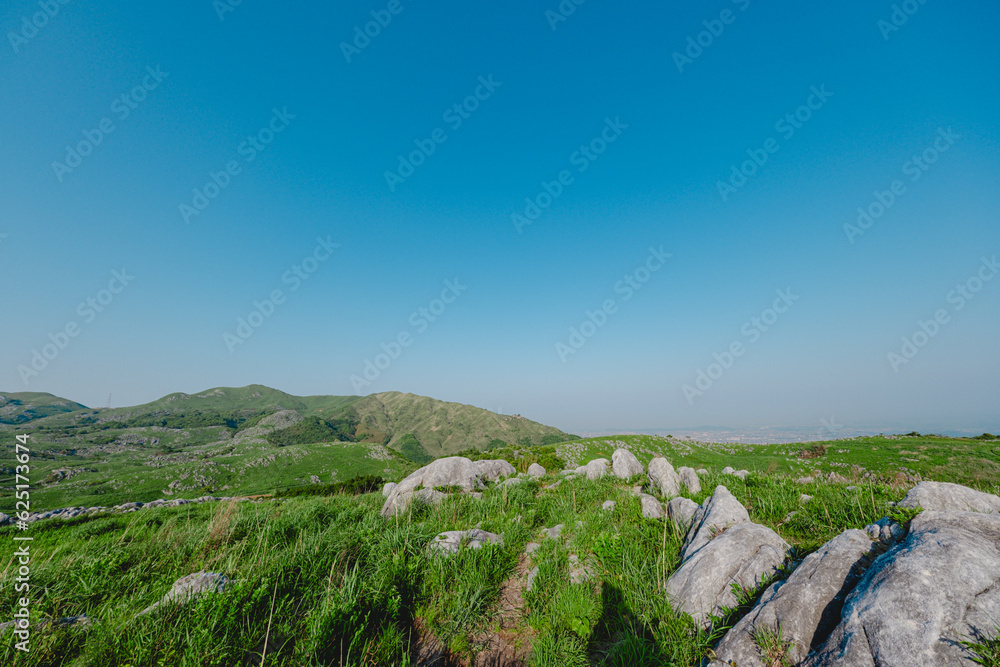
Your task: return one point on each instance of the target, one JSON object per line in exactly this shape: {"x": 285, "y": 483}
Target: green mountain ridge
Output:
{"x": 242, "y": 440}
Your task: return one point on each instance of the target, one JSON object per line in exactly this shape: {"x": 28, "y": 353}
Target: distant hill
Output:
{"x": 250, "y": 439}
{"x": 442, "y": 428}
{"x": 254, "y": 397}
{"x": 27, "y": 406}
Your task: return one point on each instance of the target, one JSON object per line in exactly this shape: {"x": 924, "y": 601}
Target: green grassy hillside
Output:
{"x": 328, "y": 581}
{"x": 236, "y": 441}
{"x": 254, "y": 397}
{"x": 443, "y": 428}
{"x": 27, "y": 406}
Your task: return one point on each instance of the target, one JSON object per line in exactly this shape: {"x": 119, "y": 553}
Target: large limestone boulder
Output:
{"x": 387, "y": 489}
{"x": 625, "y": 465}
{"x": 536, "y": 471}
{"x": 744, "y": 554}
{"x": 451, "y": 471}
{"x": 663, "y": 479}
{"x": 916, "y": 603}
{"x": 597, "y": 468}
{"x": 806, "y": 606}
{"x": 681, "y": 511}
{"x": 945, "y": 496}
{"x": 689, "y": 478}
{"x": 716, "y": 514}
{"x": 492, "y": 470}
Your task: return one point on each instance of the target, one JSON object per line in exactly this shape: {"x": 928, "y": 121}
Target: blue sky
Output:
{"x": 889, "y": 91}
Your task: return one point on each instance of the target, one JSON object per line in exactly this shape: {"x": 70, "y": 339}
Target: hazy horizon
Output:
{"x": 614, "y": 218}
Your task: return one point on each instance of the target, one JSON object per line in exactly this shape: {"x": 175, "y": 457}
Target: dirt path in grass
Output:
{"x": 506, "y": 643}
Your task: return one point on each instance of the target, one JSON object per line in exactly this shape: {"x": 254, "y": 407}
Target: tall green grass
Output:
{"x": 329, "y": 581}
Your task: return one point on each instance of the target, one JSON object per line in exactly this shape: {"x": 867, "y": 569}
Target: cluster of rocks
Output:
{"x": 579, "y": 570}
{"x": 890, "y": 594}
{"x": 72, "y": 512}
{"x": 449, "y": 542}
{"x": 722, "y": 547}
{"x": 454, "y": 473}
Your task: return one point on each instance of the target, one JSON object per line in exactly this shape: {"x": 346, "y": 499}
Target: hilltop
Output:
{"x": 27, "y": 406}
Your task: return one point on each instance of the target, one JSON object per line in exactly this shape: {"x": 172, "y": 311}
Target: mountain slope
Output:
{"x": 441, "y": 427}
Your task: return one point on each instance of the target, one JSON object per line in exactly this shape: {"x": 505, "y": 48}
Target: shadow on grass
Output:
{"x": 621, "y": 638}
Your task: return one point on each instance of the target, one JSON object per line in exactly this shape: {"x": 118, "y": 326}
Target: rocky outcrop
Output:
{"x": 579, "y": 572}
{"x": 946, "y": 496}
{"x": 451, "y": 541}
{"x": 554, "y": 532}
{"x": 805, "y": 607}
{"x": 536, "y": 471}
{"x": 453, "y": 471}
{"x": 387, "y": 489}
{"x": 715, "y": 515}
{"x": 745, "y": 554}
{"x": 919, "y": 600}
{"x": 651, "y": 507}
{"x": 495, "y": 469}
{"x": 681, "y": 511}
{"x": 663, "y": 479}
{"x": 722, "y": 548}
{"x": 689, "y": 478}
{"x": 597, "y": 468}
{"x": 190, "y": 587}
{"x": 624, "y": 464}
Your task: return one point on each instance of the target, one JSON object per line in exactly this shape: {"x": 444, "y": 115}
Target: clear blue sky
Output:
{"x": 676, "y": 125}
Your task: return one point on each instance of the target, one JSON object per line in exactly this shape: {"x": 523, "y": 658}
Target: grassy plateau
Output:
{"x": 326, "y": 580}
